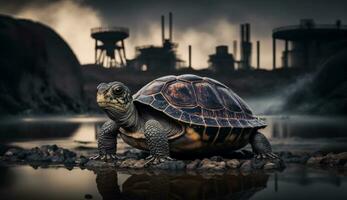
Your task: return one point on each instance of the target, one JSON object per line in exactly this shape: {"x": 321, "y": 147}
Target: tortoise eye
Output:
{"x": 118, "y": 90}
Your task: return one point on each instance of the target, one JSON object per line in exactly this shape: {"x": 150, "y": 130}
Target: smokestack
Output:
{"x": 163, "y": 28}
{"x": 235, "y": 49}
{"x": 170, "y": 26}
{"x": 242, "y": 32}
{"x": 248, "y": 32}
{"x": 190, "y": 56}
{"x": 258, "y": 54}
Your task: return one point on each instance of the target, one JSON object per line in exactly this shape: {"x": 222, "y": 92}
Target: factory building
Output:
{"x": 308, "y": 44}
{"x": 158, "y": 58}
{"x": 222, "y": 60}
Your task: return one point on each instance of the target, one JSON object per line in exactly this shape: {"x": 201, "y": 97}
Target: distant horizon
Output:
{"x": 73, "y": 20}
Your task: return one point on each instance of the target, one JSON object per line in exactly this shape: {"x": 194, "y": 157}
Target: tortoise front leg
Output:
{"x": 262, "y": 147}
{"x": 107, "y": 142}
{"x": 157, "y": 142}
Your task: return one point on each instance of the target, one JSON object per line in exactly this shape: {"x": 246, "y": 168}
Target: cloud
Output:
{"x": 71, "y": 20}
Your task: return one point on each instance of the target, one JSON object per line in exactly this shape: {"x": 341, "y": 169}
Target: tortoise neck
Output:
{"x": 129, "y": 120}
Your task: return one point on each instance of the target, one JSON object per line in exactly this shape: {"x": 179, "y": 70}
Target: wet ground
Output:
{"x": 287, "y": 133}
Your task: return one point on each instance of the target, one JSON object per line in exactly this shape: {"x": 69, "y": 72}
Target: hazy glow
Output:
{"x": 73, "y": 22}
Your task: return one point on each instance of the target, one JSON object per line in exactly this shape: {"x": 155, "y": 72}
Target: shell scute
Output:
{"x": 199, "y": 101}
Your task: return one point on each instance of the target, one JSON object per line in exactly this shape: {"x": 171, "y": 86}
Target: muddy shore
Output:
{"x": 132, "y": 159}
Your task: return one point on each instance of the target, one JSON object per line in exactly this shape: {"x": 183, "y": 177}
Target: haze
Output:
{"x": 203, "y": 24}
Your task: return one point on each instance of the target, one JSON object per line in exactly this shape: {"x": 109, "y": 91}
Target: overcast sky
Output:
{"x": 203, "y": 24}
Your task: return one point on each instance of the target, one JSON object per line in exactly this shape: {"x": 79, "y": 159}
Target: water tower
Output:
{"x": 109, "y": 46}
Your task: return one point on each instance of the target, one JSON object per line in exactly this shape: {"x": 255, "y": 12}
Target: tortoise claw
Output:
{"x": 155, "y": 160}
{"x": 105, "y": 157}
{"x": 270, "y": 156}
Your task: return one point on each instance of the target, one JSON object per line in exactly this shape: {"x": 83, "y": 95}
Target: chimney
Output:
{"x": 258, "y": 54}
{"x": 235, "y": 49}
{"x": 248, "y": 32}
{"x": 190, "y": 56}
{"x": 163, "y": 29}
{"x": 170, "y": 26}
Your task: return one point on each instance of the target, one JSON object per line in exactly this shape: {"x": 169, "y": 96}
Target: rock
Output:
{"x": 128, "y": 163}
{"x": 132, "y": 164}
{"x": 193, "y": 165}
{"x": 270, "y": 165}
{"x": 70, "y": 161}
{"x": 99, "y": 164}
{"x": 139, "y": 164}
{"x": 335, "y": 159}
{"x": 233, "y": 163}
{"x": 314, "y": 161}
{"x": 82, "y": 160}
{"x": 170, "y": 165}
{"x": 12, "y": 152}
{"x": 57, "y": 159}
{"x": 246, "y": 166}
{"x": 217, "y": 158}
{"x": 207, "y": 164}
{"x": 257, "y": 163}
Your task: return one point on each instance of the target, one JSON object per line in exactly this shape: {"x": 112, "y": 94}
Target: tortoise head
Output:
{"x": 114, "y": 97}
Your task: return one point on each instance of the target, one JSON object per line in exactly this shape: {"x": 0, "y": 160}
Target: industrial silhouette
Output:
{"x": 310, "y": 43}
{"x": 306, "y": 45}
{"x": 107, "y": 46}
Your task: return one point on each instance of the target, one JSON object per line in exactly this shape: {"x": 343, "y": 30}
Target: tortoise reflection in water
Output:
{"x": 171, "y": 186}
{"x": 184, "y": 114}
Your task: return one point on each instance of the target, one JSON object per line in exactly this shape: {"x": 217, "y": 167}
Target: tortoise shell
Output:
{"x": 198, "y": 101}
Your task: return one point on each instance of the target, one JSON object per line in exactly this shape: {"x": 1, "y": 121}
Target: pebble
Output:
{"x": 134, "y": 159}
{"x": 193, "y": 165}
{"x": 257, "y": 163}
{"x": 207, "y": 164}
{"x": 246, "y": 166}
{"x": 330, "y": 160}
{"x": 45, "y": 154}
{"x": 132, "y": 164}
{"x": 270, "y": 166}
{"x": 170, "y": 165}
{"x": 233, "y": 163}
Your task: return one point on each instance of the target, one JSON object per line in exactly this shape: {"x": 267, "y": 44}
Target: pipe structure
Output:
{"x": 273, "y": 53}
{"x": 248, "y": 32}
{"x": 258, "y": 54}
{"x": 286, "y": 54}
{"x": 170, "y": 26}
{"x": 190, "y": 56}
{"x": 163, "y": 28}
{"x": 235, "y": 49}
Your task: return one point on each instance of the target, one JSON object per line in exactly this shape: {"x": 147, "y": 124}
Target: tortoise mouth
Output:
{"x": 111, "y": 106}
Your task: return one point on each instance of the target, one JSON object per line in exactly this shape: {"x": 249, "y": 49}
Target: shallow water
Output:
{"x": 287, "y": 133}
{"x": 296, "y": 182}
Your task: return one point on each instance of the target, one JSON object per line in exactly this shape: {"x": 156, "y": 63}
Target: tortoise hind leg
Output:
{"x": 261, "y": 146}
{"x": 157, "y": 142}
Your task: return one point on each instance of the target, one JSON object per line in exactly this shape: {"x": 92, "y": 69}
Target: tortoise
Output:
{"x": 185, "y": 114}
